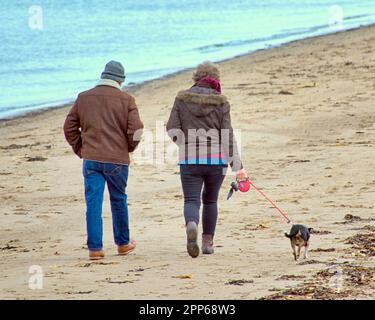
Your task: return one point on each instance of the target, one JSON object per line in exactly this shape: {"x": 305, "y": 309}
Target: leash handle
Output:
{"x": 270, "y": 201}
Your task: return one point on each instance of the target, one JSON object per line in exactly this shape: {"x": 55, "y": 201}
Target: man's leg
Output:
{"x": 94, "y": 189}
{"x": 117, "y": 177}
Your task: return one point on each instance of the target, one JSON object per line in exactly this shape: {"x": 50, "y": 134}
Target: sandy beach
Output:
{"x": 306, "y": 111}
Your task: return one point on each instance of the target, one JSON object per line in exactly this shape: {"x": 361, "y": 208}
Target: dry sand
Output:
{"x": 312, "y": 151}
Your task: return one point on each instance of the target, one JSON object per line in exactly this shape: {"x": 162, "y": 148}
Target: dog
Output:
{"x": 299, "y": 236}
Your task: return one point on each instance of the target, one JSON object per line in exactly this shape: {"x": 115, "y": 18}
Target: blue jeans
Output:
{"x": 96, "y": 174}
{"x": 193, "y": 179}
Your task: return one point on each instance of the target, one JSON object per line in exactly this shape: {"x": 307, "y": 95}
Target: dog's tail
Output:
{"x": 287, "y": 235}
{"x": 293, "y": 233}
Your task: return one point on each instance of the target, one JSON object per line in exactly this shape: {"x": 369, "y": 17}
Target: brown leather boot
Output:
{"x": 207, "y": 244}
{"x": 127, "y": 248}
{"x": 96, "y": 255}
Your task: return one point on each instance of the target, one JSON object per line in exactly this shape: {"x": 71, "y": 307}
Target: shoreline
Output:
{"x": 133, "y": 88}
{"x": 307, "y": 120}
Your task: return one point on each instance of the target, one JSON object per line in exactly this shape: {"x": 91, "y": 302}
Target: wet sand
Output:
{"x": 306, "y": 112}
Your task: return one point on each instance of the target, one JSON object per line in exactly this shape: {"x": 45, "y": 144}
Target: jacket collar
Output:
{"x": 109, "y": 83}
{"x": 202, "y": 97}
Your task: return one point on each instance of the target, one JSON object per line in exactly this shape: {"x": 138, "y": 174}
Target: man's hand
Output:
{"x": 241, "y": 174}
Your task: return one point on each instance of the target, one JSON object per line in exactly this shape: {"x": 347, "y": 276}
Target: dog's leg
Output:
{"x": 306, "y": 250}
{"x": 299, "y": 250}
{"x": 294, "y": 250}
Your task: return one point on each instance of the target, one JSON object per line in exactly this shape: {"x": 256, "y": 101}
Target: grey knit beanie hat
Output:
{"x": 114, "y": 71}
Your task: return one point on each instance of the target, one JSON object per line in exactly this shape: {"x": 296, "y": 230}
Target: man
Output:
{"x": 100, "y": 128}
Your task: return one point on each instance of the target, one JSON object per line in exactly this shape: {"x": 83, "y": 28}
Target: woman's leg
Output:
{"x": 213, "y": 180}
{"x": 192, "y": 182}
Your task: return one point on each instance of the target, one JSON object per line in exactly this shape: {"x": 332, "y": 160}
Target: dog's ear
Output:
{"x": 310, "y": 229}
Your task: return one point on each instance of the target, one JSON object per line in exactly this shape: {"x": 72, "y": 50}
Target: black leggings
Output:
{"x": 193, "y": 177}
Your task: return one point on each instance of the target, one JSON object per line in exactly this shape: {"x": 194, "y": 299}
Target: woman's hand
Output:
{"x": 241, "y": 174}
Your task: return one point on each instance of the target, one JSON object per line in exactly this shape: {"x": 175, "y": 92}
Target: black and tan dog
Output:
{"x": 299, "y": 236}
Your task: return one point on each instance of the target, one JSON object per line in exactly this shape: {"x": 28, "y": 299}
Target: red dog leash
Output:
{"x": 270, "y": 201}
{"x": 244, "y": 186}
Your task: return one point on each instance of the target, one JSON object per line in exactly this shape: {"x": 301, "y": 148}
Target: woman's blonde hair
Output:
{"x": 204, "y": 69}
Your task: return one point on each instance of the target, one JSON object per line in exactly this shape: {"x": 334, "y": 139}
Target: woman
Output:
{"x": 200, "y": 124}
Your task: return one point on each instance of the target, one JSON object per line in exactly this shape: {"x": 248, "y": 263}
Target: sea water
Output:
{"x": 53, "y": 49}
